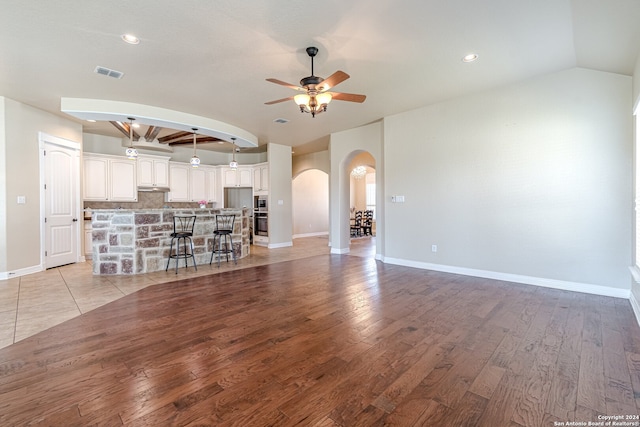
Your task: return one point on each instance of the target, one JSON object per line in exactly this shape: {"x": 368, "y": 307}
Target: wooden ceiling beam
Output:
{"x": 170, "y": 138}
{"x": 124, "y": 128}
{"x": 199, "y": 140}
{"x": 152, "y": 133}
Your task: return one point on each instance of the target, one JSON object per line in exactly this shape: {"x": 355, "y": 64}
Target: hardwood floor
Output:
{"x": 329, "y": 340}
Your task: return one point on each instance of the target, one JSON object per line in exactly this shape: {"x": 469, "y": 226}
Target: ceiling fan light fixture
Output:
{"x": 195, "y": 161}
{"x": 131, "y": 152}
{"x": 323, "y": 98}
{"x": 316, "y": 98}
{"x": 302, "y": 99}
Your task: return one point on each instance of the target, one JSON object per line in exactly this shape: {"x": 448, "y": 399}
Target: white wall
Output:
{"x": 344, "y": 146}
{"x": 280, "y": 199}
{"x": 303, "y": 162}
{"x": 531, "y": 180}
{"x": 310, "y": 203}
{"x": 3, "y": 188}
{"x": 635, "y": 286}
{"x": 22, "y": 124}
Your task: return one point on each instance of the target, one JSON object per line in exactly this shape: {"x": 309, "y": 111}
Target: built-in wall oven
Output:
{"x": 260, "y": 203}
{"x": 260, "y": 223}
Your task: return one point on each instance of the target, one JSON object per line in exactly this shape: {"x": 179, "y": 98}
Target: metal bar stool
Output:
{"x": 182, "y": 231}
{"x": 223, "y": 231}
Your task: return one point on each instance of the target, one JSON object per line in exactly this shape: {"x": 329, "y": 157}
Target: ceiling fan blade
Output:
{"x": 333, "y": 80}
{"x": 351, "y": 97}
{"x": 289, "y": 85}
{"x": 278, "y": 101}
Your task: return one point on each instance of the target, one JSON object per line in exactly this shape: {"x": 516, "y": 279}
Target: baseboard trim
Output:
{"x": 279, "y": 245}
{"x": 320, "y": 233}
{"x": 5, "y": 275}
{"x": 635, "y": 306}
{"x": 336, "y": 251}
{"x": 526, "y": 280}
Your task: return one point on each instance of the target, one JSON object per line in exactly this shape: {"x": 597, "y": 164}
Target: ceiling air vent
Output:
{"x": 108, "y": 72}
{"x": 281, "y": 121}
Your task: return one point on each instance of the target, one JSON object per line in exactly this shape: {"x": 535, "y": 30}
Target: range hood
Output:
{"x": 154, "y": 189}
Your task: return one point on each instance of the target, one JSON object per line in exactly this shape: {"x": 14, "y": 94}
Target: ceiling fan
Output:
{"x": 316, "y": 94}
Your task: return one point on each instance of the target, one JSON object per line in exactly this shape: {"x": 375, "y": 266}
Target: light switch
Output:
{"x": 22, "y": 200}
{"x": 281, "y": 202}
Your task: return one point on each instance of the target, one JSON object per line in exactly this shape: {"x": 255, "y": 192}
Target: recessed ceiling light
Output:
{"x": 130, "y": 38}
{"x": 91, "y": 120}
{"x": 281, "y": 121}
{"x": 136, "y": 125}
{"x": 470, "y": 57}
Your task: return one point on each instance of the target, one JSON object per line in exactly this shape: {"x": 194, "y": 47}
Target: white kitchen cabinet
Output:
{"x": 261, "y": 178}
{"x": 96, "y": 172}
{"x": 203, "y": 184}
{"x": 189, "y": 184}
{"x": 109, "y": 178}
{"x": 240, "y": 177}
{"x": 88, "y": 239}
{"x": 212, "y": 184}
{"x": 179, "y": 177}
{"x": 198, "y": 184}
{"x": 153, "y": 171}
{"x": 244, "y": 176}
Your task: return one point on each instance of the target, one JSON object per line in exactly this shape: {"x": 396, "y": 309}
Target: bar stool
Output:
{"x": 223, "y": 230}
{"x": 182, "y": 231}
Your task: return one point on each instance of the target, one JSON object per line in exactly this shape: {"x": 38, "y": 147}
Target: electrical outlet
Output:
{"x": 434, "y": 248}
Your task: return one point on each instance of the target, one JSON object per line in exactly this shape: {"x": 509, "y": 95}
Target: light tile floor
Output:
{"x": 35, "y": 302}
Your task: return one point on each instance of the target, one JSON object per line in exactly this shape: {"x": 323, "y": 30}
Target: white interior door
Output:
{"x": 62, "y": 204}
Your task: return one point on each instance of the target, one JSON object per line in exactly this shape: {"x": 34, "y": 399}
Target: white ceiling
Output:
{"x": 210, "y": 58}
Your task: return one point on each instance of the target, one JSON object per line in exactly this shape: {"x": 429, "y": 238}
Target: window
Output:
{"x": 370, "y": 196}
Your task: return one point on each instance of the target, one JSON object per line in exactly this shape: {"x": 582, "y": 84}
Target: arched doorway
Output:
{"x": 310, "y": 195}
{"x": 344, "y": 146}
{"x": 362, "y": 204}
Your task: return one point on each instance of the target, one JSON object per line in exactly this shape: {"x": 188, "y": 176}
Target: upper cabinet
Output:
{"x": 212, "y": 184}
{"x": 153, "y": 171}
{"x": 117, "y": 179}
{"x": 109, "y": 178}
{"x": 179, "y": 176}
{"x": 240, "y": 177}
{"x": 188, "y": 184}
{"x": 261, "y": 178}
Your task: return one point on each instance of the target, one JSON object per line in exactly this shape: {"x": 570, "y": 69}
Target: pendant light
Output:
{"x": 195, "y": 161}
{"x": 131, "y": 153}
{"x": 233, "y": 164}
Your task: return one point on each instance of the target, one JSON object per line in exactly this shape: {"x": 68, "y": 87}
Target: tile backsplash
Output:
{"x": 146, "y": 200}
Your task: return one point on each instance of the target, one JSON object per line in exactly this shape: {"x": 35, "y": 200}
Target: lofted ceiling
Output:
{"x": 211, "y": 58}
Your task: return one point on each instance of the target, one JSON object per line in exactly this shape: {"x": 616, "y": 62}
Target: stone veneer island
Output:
{"x": 136, "y": 241}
